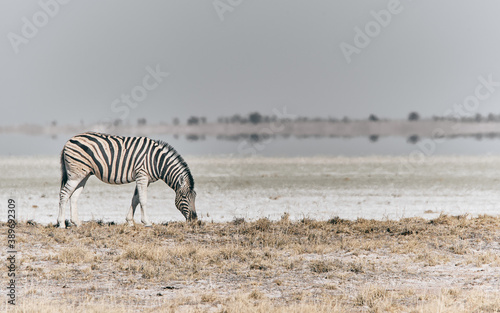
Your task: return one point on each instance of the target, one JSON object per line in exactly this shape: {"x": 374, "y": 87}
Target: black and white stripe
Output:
{"x": 121, "y": 160}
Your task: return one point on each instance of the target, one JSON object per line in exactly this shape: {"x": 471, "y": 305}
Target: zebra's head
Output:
{"x": 185, "y": 197}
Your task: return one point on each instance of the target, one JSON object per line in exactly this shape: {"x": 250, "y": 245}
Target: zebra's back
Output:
{"x": 112, "y": 159}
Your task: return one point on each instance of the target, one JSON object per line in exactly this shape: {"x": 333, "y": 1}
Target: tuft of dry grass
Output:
{"x": 321, "y": 266}
{"x": 77, "y": 255}
{"x": 371, "y": 297}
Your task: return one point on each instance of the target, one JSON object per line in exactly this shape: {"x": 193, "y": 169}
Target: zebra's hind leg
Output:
{"x": 74, "y": 198}
{"x": 131, "y": 211}
{"x": 66, "y": 192}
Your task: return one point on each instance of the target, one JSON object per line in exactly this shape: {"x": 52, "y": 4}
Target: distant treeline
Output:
{"x": 257, "y": 118}
{"x": 475, "y": 118}
{"x": 254, "y": 127}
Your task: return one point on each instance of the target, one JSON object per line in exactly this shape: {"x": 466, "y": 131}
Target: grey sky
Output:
{"x": 263, "y": 55}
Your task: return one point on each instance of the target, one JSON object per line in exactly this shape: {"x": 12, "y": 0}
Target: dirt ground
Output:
{"x": 447, "y": 264}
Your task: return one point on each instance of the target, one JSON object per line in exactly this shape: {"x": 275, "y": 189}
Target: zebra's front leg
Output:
{"x": 142, "y": 186}
{"x": 131, "y": 211}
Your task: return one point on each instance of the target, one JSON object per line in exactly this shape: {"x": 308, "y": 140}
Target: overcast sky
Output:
{"x": 81, "y": 60}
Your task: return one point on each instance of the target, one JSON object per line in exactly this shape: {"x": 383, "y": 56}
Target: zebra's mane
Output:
{"x": 180, "y": 159}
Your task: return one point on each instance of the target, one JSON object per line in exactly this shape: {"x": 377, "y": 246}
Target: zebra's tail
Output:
{"x": 64, "y": 176}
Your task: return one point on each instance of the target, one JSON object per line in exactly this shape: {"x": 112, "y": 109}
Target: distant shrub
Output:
{"x": 413, "y": 116}
{"x": 255, "y": 118}
{"x": 193, "y": 120}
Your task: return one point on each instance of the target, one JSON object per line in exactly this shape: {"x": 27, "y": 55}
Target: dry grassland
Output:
{"x": 449, "y": 264}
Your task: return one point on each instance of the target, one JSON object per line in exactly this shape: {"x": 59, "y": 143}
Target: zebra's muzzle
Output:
{"x": 192, "y": 216}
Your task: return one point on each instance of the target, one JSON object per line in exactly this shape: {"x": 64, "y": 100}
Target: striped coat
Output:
{"x": 121, "y": 160}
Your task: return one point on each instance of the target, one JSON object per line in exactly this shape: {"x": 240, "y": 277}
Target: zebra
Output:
{"x": 120, "y": 160}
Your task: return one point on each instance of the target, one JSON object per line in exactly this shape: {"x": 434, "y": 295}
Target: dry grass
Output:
{"x": 448, "y": 264}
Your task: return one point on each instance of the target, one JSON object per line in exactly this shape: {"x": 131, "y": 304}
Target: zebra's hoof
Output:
{"x": 148, "y": 225}
{"x": 130, "y": 223}
{"x": 70, "y": 224}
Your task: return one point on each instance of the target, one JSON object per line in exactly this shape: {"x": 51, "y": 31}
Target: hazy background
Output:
{"x": 265, "y": 56}
{"x": 262, "y": 55}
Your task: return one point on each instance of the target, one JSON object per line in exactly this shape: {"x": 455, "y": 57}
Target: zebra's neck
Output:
{"x": 174, "y": 170}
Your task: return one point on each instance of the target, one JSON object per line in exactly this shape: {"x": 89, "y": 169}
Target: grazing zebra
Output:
{"x": 121, "y": 160}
